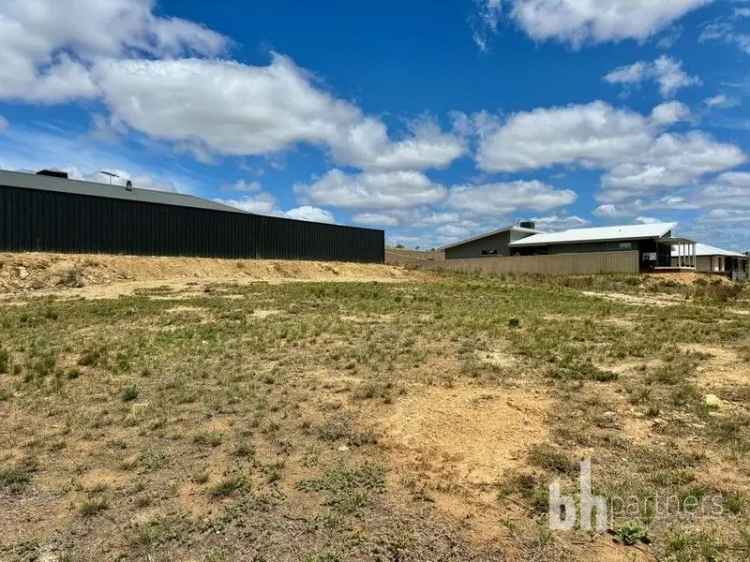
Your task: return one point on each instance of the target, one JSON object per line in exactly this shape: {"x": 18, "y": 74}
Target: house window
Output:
{"x": 489, "y": 252}
{"x": 626, "y": 245}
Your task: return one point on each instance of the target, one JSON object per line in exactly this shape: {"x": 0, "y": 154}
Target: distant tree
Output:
{"x": 399, "y": 246}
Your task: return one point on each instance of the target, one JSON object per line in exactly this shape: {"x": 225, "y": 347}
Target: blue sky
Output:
{"x": 432, "y": 120}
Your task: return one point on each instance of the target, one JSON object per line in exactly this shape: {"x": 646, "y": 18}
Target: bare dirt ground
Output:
{"x": 291, "y": 412}
{"x": 106, "y": 276}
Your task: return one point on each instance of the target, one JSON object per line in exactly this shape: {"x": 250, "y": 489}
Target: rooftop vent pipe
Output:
{"x": 527, "y": 224}
{"x": 53, "y": 174}
{"x": 128, "y": 185}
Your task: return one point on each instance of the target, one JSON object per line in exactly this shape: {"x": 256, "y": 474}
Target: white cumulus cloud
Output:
{"x": 578, "y": 22}
{"x": 672, "y": 160}
{"x": 559, "y": 222}
{"x": 669, "y": 113}
{"x": 161, "y": 76}
{"x": 633, "y": 150}
{"x": 262, "y": 203}
{"x": 372, "y": 190}
{"x": 729, "y": 190}
{"x": 665, "y": 71}
{"x": 591, "y": 135}
{"x": 238, "y": 109}
{"x": 47, "y": 46}
{"x": 313, "y": 214}
{"x": 504, "y": 198}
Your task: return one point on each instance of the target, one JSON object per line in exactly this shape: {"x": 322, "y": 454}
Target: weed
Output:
{"x": 156, "y": 532}
{"x": 686, "y": 546}
{"x": 129, "y": 393}
{"x": 227, "y": 487}
{"x": 529, "y": 488}
{"x": 632, "y": 533}
{"x": 734, "y": 503}
{"x": 347, "y": 488}
{"x": 92, "y": 507}
{"x": 208, "y": 438}
{"x": 14, "y": 478}
{"x": 4, "y": 361}
{"x": 545, "y": 456}
{"x": 340, "y": 428}
{"x": 90, "y": 358}
{"x": 573, "y": 366}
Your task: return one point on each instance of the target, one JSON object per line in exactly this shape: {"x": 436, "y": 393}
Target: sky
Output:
{"x": 434, "y": 121}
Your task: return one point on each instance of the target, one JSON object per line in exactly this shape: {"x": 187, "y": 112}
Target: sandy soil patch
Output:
{"x": 368, "y": 319}
{"x": 660, "y": 301}
{"x": 471, "y": 433}
{"x": 261, "y": 314}
{"x": 100, "y": 477}
{"x": 497, "y": 358}
{"x": 456, "y": 443}
{"x": 724, "y": 366}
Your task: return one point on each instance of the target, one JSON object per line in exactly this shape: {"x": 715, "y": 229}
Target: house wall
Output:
{"x": 559, "y": 264}
{"x": 707, "y": 264}
{"x": 644, "y": 248}
{"x": 584, "y": 248}
{"x": 474, "y": 249}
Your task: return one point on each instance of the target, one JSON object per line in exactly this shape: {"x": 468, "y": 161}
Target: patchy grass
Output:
{"x": 279, "y": 422}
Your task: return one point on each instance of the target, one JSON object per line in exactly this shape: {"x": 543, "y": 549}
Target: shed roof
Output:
{"x": 598, "y": 234}
{"x": 95, "y": 189}
{"x": 513, "y": 228}
{"x": 706, "y": 250}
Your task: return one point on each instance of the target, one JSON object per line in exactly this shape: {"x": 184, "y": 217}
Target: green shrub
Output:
{"x": 129, "y": 393}
{"x": 632, "y": 533}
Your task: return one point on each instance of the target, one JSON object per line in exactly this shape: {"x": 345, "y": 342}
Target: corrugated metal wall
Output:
{"x": 36, "y": 220}
{"x": 559, "y": 264}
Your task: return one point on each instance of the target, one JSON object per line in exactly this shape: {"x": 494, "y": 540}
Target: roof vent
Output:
{"x": 53, "y": 174}
{"x": 528, "y": 224}
{"x": 128, "y": 185}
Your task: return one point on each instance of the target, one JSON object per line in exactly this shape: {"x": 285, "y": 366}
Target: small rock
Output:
{"x": 712, "y": 401}
{"x": 514, "y": 323}
{"x": 343, "y": 449}
{"x": 23, "y": 273}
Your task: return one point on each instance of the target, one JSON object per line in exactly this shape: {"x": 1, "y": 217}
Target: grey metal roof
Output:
{"x": 94, "y": 189}
{"x": 598, "y": 234}
{"x": 513, "y": 228}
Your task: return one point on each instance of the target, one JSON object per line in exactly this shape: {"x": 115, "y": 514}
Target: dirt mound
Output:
{"x": 686, "y": 278}
{"x": 23, "y": 272}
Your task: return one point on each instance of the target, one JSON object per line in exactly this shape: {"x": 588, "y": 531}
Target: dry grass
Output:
{"x": 330, "y": 421}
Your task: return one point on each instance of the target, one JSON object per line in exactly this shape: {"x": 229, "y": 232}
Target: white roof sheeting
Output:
{"x": 706, "y": 250}
{"x": 513, "y": 228}
{"x": 598, "y": 234}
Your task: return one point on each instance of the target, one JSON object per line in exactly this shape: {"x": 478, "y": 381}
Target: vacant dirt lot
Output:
{"x": 328, "y": 412}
